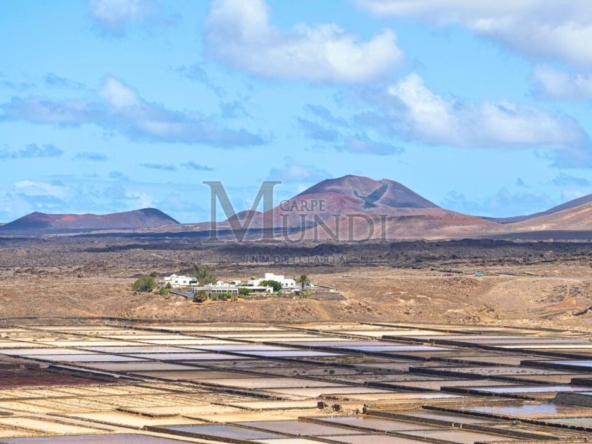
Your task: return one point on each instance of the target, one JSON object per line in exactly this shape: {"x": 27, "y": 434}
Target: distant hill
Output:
{"x": 349, "y": 205}
{"x": 571, "y": 204}
{"x": 570, "y": 218}
{"x": 394, "y": 211}
{"x": 372, "y": 193}
{"x": 349, "y": 208}
{"x": 42, "y": 223}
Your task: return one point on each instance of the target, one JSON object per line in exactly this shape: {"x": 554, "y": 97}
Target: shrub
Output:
{"x": 277, "y": 286}
{"x": 223, "y": 296}
{"x": 145, "y": 284}
{"x": 164, "y": 291}
{"x": 244, "y": 291}
{"x": 200, "y": 296}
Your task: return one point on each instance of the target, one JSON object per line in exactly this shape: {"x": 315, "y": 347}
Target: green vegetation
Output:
{"x": 224, "y": 297}
{"x": 204, "y": 275}
{"x": 274, "y": 284}
{"x": 200, "y": 296}
{"x": 303, "y": 280}
{"x": 244, "y": 291}
{"x": 145, "y": 284}
{"x": 164, "y": 291}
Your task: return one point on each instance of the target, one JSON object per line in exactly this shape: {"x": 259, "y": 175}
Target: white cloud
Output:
{"x": 132, "y": 115}
{"x": 30, "y": 188}
{"x": 117, "y": 106}
{"x": 114, "y": 15}
{"x": 540, "y": 28}
{"x": 239, "y": 33}
{"x": 140, "y": 199}
{"x": 556, "y": 84}
{"x": 411, "y": 110}
{"x": 294, "y": 172}
{"x": 118, "y": 95}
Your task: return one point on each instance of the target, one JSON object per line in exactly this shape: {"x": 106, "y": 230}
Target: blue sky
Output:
{"x": 112, "y": 105}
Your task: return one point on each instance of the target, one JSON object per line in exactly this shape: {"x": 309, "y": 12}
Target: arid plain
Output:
{"x": 470, "y": 341}
{"x": 536, "y": 284}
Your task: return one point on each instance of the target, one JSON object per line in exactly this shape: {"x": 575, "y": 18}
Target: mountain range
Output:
{"x": 350, "y": 208}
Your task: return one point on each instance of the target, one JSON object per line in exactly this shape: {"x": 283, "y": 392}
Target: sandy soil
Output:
{"x": 372, "y": 294}
{"x": 543, "y": 285}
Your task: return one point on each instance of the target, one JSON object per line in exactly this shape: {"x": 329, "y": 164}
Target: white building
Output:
{"x": 218, "y": 288}
{"x": 287, "y": 284}
{"x": 181, "y": 281}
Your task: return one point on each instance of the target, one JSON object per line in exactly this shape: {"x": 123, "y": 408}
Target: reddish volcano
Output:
{"x": 353, "y": 208}
{"x": 368, "y": 193}
{"x": 42, "y": 223}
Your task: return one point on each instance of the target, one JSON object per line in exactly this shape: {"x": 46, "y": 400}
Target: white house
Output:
{"x": 218, "y": 288}
{"x": 287, "y": 284}
{"x": 181, "y": 281}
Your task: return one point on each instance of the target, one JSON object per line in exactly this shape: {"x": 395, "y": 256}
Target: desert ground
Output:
{"x": 437, "y": 342}
{"x": 525, "y": 284}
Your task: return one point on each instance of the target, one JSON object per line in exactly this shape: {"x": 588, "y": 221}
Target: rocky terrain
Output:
{"x": 525, "y": 284}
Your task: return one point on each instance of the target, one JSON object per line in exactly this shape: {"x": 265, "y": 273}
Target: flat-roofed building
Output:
{"x": 286, "y": 283}
{"x": 181, "y": 281}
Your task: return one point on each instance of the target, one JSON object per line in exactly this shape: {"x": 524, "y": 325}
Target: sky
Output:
{"x": 483, "y": 107}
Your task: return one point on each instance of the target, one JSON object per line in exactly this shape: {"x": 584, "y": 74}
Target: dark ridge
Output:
{"x": 545, "y": 236}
